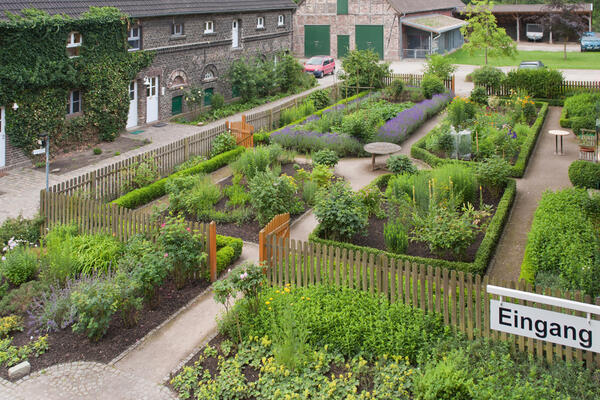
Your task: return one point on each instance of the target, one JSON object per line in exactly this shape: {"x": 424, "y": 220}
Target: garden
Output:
{"x": 580, "y": 112}
{"x": 481, "y": 127}
{"x": 327, "y": 342}
{"x": 71, "y": 296}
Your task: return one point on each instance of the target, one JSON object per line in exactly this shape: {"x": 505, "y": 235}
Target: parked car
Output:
{"x": 534, "y": 32}
{"x": 590, "y": 41}
{"x": 320, "y": 66}
{"x": 531, "y": 65}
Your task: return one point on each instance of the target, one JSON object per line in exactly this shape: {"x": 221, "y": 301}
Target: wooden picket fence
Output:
{"x": 92, "y": 216}
{"x": 242, "y": 131}
{"x": 106, "y": 183}
{"x": 461, "y": 299}
{"x": 278, "y": 226}
{"x": 566, "y": 88}
{"x": 415, "y": 80}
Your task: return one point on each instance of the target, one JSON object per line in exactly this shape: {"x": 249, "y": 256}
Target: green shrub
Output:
{"x": 372, "y": 199}
{"x": 97, "y": 151}
{"x": 585, "y": 174}
{"x": 229, "y": 249}
{"x": 325, "y": 157}
{"x": 454, "y": 180}
{"x": 563, "y": 241}
{"x": 395, "y": 236}
{"x": 461, "y": 112}
{"x": 394, "y": 90}
{"x": 539, "y": 83}
{"x": 155, "y": 190}
{"x": 256, "y": 160}
{"x": 217, "y": 101}
{"x": 19, "y": 300}
{"x": 493, "y": 173}
{"x": 400, "y": 164}
{"x": 94, "y": 306}
{"x": 362, "y": 68}
{"x": 321, "y": 98}
{"x": 357, "y": 126}
{"x": 309, "y": 192}
{"x": 193, "y": 194}
{"x": 446, "y": 379}
{"x": 340, "y": 212}
{"x": 352, "y": 322}
{"x": 20, "y": 265}
{"x": 488, "y": 76}
{"x": 439, "y": 66}
{"x": 222, "y": 143}
{"x": 21, "y": 228}
{"x": 95, "y": 253}
{"x": 479, "y": 96}
{"x": 296, "y": 113}
{"x": 271, "y": 195}
{"x": 432, "y": 85}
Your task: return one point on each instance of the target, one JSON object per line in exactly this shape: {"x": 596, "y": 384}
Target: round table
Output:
{"x": 557, "y": 133}
{"x": 380, "y": 148}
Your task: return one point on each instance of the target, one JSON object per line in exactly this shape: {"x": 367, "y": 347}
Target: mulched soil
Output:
{"x": 375, "y": 239}
{"x": 66, "y": 346}
{"x": 249, "y": 231}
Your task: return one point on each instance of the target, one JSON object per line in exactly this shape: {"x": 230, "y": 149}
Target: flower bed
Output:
{"x": 347, "y": 126}
{"x": 90, "y": 297}
{"x": 480, "y": 251}
{"x": 517, "y": 149}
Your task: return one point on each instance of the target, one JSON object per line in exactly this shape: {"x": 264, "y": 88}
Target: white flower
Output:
{"x": 244, "y": 275}
{"x": 3, "y": 258}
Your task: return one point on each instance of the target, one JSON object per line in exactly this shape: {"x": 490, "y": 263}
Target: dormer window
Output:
{"x": 208, "y": 27}
{"x": 74, "y": 44}
{"x": 134, "y": 38}
{"x": 280, "y": 20}
{"x": 260, "y": 23}
{"x": 177, "y": 29}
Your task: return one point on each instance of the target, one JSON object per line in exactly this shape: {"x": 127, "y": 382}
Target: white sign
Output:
{"x": 549, "y": 326}
{"x": 39, "y": 151}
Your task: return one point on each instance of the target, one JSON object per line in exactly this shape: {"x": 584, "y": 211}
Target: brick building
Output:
{"x": 393, "y": 28}
{"x": 195, "y": 43}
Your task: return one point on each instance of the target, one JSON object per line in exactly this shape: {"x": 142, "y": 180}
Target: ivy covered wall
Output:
{"x": 37, "y": 74}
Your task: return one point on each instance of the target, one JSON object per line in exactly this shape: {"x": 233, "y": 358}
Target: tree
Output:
{"x": 362, "y": 69}
{"x": 561, "y": 18}
{"x": 482, "y": 31}
{"x": 439, "y": 66}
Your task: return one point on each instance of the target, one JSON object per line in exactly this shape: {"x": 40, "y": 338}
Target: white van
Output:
{"x": 534, "y": 32}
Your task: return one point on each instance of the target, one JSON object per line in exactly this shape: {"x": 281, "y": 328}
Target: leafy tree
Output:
{"x": 362, "y": 68}
{"x": 561, "y": 18}
{"x": 482, "y": 31}
{"x": 439, "y": 66}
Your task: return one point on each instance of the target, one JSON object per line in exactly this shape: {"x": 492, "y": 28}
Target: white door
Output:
{"x": 2, "y": 138}
{"x": 152, "y": 100}
{"x": 132, "y": 117}
{"x": 235, "y": 40}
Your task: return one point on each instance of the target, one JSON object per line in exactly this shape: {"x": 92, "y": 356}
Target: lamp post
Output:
{"x": 44, "y": 140}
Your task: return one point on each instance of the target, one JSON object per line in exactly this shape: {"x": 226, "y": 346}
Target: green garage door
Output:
{"x": 316, "y": 40}
{"x": 370, "y": 37}
{"x": 343, "y": 45}
{"x": 176, "y": 105}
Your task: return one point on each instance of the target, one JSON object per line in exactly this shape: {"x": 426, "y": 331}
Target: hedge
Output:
{"x": 585, "y": 174}
{"x": 263, "y": 137}
{"x": 419, "y": 151}
{"x": 229, "y": 249}
{"x": 146, "y": 194}
{"x": 482, "y": 257}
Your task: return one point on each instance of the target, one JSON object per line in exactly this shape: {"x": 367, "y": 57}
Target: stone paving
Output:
{"x": 83, "y": 381}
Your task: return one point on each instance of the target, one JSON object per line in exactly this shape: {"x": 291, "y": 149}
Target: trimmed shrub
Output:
{"x": 400, "y": 164}
{"x": 540, "y": 83}
{"x": 585, "y": 174}
{"x": 493, "y": 173}
{"x": 432, "y": 85}
{"x": 488, "y": 76}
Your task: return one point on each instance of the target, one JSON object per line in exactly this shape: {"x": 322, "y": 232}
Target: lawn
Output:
{"x": 552, "y": 59}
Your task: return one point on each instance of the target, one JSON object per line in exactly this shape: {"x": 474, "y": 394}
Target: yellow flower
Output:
{"x": 270, "y": 298}
{"x": 267, "y": 302}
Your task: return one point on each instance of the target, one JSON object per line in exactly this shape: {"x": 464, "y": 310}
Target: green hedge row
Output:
{"x": 146, "y": 194}
{"x": 482, "y": 257}
{"x": 564, "y": 121}
{"x": 229, "y": 249}
{"x": 419, "y": 151}
{"x": 585, "y": 174}
{"x": 263, "y": 137}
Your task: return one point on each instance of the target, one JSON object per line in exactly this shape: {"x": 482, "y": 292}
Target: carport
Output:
{"x": 427, "y": 34}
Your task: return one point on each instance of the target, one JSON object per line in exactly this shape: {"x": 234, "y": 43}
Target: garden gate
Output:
{"x": 278, "y": 226}
{"x": 242, "y": 131}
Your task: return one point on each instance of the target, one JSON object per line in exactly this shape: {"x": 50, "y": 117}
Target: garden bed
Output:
{"x": 423, "y": 149}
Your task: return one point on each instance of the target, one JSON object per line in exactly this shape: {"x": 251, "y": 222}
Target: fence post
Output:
{"x": 212, "y": 250}
{"x": 186, "y": 149}
{"x": 93, "y": 184}
{"x": 270, "y": 119}
{"x": 261, "y": 246}
{"x": 453, "y": 83}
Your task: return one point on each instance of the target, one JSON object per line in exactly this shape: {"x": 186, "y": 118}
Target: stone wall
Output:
{"x": 183, "y": 62}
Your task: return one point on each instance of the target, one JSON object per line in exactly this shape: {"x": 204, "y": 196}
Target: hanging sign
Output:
{"x": 550, "y": 326}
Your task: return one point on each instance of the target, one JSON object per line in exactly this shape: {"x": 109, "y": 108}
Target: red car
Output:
{"x": 320, "y": 66}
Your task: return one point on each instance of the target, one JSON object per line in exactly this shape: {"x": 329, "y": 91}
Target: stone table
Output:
{"x": 380, "y": 148}
{"x": 557, "y": 133}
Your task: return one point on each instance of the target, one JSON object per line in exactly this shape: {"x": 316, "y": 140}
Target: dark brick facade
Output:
{"x": 183, "y": 61}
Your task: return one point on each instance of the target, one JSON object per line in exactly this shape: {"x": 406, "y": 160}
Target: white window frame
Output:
{"x": 177, "y": 29}
{"x": 260, "y": 23}
{"x": 2, "y": 120}
{"x": 209, "y": 27}
{"x": 137, "y": 38}
{"x": 281, "y": 20}
{"x": 73, "y": 101}
{"x": 209, "y": 76}
{"x": 73, "y": 45}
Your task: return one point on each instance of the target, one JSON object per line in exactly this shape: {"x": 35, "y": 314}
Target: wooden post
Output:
{"x": 261, "y": 246}
{"x": 212, "y": 250}
{"x": 186, "y": 149}
{"x": 453, "y": 83}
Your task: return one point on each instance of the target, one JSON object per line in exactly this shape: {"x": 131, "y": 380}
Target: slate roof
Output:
{"x": 414, "y": 6}
{"x": 147, "y": 8}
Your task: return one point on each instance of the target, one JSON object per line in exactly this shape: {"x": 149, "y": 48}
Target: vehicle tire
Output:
{"x": 333, "y": 71}
{"x": 320, "y": 75}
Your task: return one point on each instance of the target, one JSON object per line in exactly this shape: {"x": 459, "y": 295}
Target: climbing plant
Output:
{"x": 37, "y": 74}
